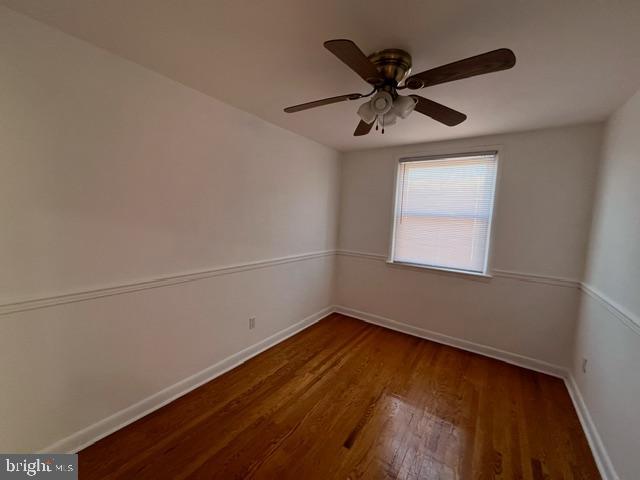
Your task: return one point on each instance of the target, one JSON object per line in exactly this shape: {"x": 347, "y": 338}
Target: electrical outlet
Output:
{"x": 252, "y": 323}
{"x": 584, "y": 365}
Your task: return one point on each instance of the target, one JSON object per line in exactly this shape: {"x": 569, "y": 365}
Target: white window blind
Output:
{"x": 444, "y": 207}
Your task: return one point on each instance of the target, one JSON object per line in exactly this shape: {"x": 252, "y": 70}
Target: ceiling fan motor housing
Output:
{"x": 394, "y": 64}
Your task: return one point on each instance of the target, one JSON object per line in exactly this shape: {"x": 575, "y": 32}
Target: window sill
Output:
{"x": 442, "y": 270}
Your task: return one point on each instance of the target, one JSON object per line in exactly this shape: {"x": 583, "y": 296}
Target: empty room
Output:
{"x": 293, "y": 239}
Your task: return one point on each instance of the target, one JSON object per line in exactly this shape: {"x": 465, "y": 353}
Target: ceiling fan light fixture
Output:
{"x": 381, "y": 102}
{"x": 389, "y": 119}
{"x": 404, "y": 105}
{"x": 366, "y": 113}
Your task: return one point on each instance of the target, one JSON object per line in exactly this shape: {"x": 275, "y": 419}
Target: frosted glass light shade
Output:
{"x": 381, "y": 102}
{"x": 366, "y": 113}
{"x": 403, "y": 106}
{"x": 389, "y": 119}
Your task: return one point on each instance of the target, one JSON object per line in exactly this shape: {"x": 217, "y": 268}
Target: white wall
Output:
{"x": 113, "y": 175}
{"x": 541, "y": 225}
{"x": 608, "y": 333}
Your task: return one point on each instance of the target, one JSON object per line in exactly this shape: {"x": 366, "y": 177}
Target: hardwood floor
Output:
{"x": 345, "y": 399}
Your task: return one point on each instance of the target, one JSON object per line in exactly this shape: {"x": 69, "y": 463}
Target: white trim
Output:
{"x": 524, "y": 277}
{"x": 446, "y": 156}
{"x": 91, "y": 434}
{"x": 487, "y": 351}
{"x": 626, "y": 317}
{"x": 20, "y": 305}
{"x": 600, "y": 455}
{"x": 80, "y": 296}
{"x": 535, "y": 278}
{"x": 366, "y": 255}
{"x": 395, "y": 209}
{"x": 440, "y": 269}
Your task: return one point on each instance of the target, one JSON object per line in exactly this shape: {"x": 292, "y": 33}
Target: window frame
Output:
{"x": 498, "y": 151}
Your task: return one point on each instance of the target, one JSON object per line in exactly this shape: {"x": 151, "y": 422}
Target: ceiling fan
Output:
{"x": 388, "y": 71}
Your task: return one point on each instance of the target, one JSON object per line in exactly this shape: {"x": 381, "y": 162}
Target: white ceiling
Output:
{"x": 577, "y": 59}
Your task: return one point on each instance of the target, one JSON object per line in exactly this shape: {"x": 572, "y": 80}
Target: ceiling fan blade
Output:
{"x": 439, "y": 112}
{"x": 324, "y": 101}
{"x": 363, "y": 128}
{"x": 501, "y": 59}
{"x": 355, "y": 59}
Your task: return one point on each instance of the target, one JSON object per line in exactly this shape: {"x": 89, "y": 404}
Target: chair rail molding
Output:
{"x": 495, "y": 273}
{"x": 21, "y": 305}
{"x": 629, "y": 319}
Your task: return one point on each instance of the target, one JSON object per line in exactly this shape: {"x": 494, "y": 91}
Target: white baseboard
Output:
{"x": 605, "y": 466}
{"x": 512, "y": 358}
{"x": 595, "y": 442}
{"x": 91, "y": 434}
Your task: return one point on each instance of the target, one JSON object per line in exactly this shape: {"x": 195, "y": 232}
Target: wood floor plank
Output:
{"x": 345, "y": 399}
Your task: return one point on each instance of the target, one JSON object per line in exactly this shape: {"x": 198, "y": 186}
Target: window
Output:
{"x": 443, "y": 211}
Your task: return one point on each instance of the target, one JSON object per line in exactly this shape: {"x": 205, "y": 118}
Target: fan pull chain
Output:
{"x": 383, "y": 125}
